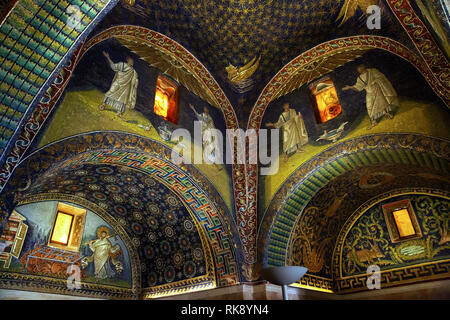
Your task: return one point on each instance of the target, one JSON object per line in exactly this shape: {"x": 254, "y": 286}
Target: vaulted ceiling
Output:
{"x": 220, "y": 33}
{"x": 38, "y": 56}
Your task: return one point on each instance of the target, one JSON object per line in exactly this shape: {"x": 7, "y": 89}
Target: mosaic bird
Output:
{"x": 351, "y": 6}
{"x": 238, "y": 75}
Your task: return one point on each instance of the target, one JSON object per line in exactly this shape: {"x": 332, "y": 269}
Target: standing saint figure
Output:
{"x": 103, "y": 250}
{"x": 123, "y": 91}
{"x": 209, "y": 139}
{"x": 294, "y": 131}
{"x": 380, "y": 94}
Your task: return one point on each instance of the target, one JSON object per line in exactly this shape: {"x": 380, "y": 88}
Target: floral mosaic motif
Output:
{"x": 368, "y": 241}
{"x": 316, "y": 232}
{"x": 406, "y": 143}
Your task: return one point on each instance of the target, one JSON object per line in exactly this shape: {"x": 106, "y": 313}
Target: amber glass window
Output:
{"x": 325, "y": 100}
{"x": 166, "y": 100}
{"x": 68, "y": 227}
{"x": 401, "y": 221}
{"x": 62, "y": 228}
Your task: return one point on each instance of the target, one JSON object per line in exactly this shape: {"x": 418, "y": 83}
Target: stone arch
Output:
{"x": 48, "y": 102}
{"x": 288, "y": 205}
{"x": 151, "y": 158}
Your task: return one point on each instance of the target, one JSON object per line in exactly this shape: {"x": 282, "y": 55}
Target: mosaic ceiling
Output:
{"x": 243, "y": 44}
{"x": 328, "y": 210}
{"x": 157, "y": 222}
{"x": 36, "y": 37}
{"x": 223, "y": 33}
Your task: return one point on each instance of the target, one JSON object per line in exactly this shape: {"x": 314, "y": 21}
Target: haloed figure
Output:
{"x": 293, "y": 129}
{"x": 380, "y": 94}
{"x": 122, "y": 94}
{"x": 104, "y": 253}
{"x": 208, "y": 138}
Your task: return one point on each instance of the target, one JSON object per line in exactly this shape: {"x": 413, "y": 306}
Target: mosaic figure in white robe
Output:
{"x": 380, "y": 94}
{"x": 123, "y": 91}
{"x": 293, "y": 129}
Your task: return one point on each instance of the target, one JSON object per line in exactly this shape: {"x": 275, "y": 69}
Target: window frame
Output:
{"x": 313, "y": 98}
{"x": 173, "y": 103}
{"x": 76, "y": 230}
{"x": 58, "y": 212}
{"x": 394, "y": 233}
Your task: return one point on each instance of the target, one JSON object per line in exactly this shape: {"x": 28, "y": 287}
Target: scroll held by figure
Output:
{"x": 293, "y": 129}
{"x": 123, "y": 91}
{"x": 380, "y": 94}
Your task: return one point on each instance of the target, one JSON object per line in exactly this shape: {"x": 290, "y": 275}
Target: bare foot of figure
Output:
{"x": 286, "y": 158}
{"x": 102, "y": 107}
{"x": 120, "y": 115}
{"x": 389, "y": 115}
{"x": 373, "y": 124}
{"x": 300, "y": 150}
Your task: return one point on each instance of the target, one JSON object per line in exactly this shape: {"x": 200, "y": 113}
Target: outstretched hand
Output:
{"x": 347, "y": 88}
{"x": 106, "y": 54}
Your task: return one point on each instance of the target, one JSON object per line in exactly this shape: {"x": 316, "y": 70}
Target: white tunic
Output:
{"x": 380, "y": 94}
{"x": 122, "y": 93}
{"x": 102, "y": 249}
{"x": 294, "y": 130}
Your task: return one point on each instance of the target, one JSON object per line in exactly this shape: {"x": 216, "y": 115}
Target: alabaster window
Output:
{"x": 67, "y": 228}
{"x": 166, "y": 100}
{"x": 61, "y": 229}
{"x": 325, "y": 100}
{"x": 401, "y": 221}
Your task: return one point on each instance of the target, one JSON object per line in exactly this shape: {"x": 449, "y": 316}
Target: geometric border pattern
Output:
{"x": 404, "y": 275}
{"x": 288, "y": 203}
{"x": 153, "y": 158}
{"x": 59, "y": 46}
{"x": 59, "y": 286}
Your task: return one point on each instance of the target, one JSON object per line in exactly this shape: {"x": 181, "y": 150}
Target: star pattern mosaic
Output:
{"x": 161, "y": 228}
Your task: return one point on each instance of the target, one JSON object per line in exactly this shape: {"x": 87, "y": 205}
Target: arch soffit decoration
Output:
{"x": 389, "y": 277}
{"x": 34, "y": 283}
{"x": 165, "y": 44}
{"x": 408, "y": 149}
{"x": 284, "y": 81}
{"x": 419, "y": 34}
{"x": 153, "y": 158}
